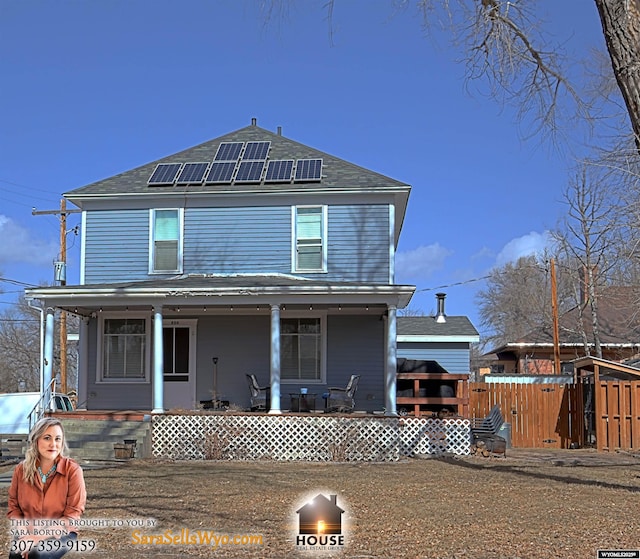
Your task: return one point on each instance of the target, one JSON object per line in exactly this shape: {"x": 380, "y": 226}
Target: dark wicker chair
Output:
{"x": 259, "y": 395}
{"x": 342, "y": 399}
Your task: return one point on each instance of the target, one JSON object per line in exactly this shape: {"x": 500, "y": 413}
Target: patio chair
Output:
{"x": 259, "y": 395}
{"x": 342, "y": 399}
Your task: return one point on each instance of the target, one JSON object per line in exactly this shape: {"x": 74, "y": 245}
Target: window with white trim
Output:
{"x": 166, "y": 241}
{"x": 301, "y": 349}
{"x": 310, "y": 241}
{"x": 124, "y": 349}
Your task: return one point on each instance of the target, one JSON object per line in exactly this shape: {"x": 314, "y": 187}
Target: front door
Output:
{"x": 179, "y": 341}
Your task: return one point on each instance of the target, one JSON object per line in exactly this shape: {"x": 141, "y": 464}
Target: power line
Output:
{"x": 16, "y": 282}
{"x": 25, "y": 186}
{"x": 454, "y": 284}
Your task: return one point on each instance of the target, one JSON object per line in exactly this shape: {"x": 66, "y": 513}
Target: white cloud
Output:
{"x": 527, "y": 245}
{"x": 420, "y": 262}
{"x": 19, "y": 246}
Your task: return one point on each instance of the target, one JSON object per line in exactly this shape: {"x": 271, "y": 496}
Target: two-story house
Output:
{"x": 250, "y": 253}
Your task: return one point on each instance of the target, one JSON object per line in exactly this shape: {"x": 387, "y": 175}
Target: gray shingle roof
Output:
{"x": 337, "y": 173}
{"x": 427, "y": 326}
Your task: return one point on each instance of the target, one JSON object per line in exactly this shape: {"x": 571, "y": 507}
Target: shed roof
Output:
{"x": 411, "y": 328}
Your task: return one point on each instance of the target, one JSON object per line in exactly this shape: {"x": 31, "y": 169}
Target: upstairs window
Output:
{"x": 310, "y": 242}
{"x": 166, "y": 241}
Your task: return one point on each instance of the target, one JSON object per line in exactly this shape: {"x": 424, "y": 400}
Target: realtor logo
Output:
{"x": 320, "y": 524}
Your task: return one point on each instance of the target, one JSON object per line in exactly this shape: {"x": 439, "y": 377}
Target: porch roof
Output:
{"x": 219, "y": 290}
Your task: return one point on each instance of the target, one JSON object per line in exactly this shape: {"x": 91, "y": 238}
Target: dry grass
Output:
{"x": 529, "y": 505}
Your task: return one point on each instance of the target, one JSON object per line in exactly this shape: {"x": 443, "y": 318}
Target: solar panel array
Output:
{"x": 238, "y": 162}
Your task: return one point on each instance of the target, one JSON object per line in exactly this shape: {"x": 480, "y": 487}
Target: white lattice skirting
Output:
{"x": 312, "y": 438}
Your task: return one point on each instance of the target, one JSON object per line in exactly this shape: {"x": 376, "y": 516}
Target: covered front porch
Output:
{"x": 175, "y": 344}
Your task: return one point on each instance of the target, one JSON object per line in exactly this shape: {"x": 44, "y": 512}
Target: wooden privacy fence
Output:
{"x": 617, "y": 415}
{"x": 541, "y": 415}
{"x": 556, "y": 415}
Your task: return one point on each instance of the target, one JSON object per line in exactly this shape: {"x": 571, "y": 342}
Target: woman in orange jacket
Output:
{"x": 47, "y": 493}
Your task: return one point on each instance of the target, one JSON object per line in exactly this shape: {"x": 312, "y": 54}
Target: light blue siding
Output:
{"x": 359, "y": 243}
{"x": 454, "y": 357}
{"x": 242, "y": 346}
{"x": 356, "y": 347}
{"x": 116, "y": 246}
{"x": 239, "y": 240}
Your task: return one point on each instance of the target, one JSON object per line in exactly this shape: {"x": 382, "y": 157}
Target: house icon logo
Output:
{"x": 320, "y": 524}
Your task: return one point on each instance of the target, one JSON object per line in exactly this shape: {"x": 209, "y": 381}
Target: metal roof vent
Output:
{"x": 441, "y": 316}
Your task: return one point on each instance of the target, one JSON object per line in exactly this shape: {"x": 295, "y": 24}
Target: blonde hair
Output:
{"x": 30, "y": 464}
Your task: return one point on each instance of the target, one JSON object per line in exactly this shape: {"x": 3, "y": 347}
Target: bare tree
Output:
{"x": 588, "y": 237}
{"x": 19, "y": 348}
{"x": 503, "y": 45}
{"x": 516, "y": 299}
{"x": 621, "y": 28}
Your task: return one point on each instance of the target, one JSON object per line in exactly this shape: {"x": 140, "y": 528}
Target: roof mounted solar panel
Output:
{"x": 308, "y": 170}
{"x": 165, "y": 173}
{"x": 220, "y": 172}
{"x": 256, "y": 151}
{"x": 279, "y": 170}
{"x": 250, "y": 171}
{"x": 228, "y": 151}
{"x": 192, "y": 173}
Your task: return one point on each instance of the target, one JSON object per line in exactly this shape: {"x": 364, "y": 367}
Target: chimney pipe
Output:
{"x": 279, "y": 130}
{"x": 441, "y": 316}
{"x": 254, "y": 121}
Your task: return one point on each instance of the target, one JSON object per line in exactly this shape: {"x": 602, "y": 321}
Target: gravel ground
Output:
{"x": 531, "y": 504}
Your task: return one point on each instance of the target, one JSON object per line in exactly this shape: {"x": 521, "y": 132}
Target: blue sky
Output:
{"x": 91, "y": 89}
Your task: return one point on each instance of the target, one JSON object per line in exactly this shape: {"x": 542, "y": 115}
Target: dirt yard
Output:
{"x": 532, "y": 504}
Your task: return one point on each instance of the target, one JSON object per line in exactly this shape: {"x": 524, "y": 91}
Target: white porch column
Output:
{"x": 83, "y": 363}
{"x": 157, "y": 364}
{"x": 47, "y": 374}
{"x": 275, "y": 360}
{"x": 392, "y": 366}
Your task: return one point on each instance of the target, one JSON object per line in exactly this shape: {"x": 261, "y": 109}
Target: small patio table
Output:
{"x": 303, "y": 402}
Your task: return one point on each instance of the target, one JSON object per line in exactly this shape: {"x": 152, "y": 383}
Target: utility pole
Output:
{"x": 62, "y": 277}
{"x": 554, "y": 312}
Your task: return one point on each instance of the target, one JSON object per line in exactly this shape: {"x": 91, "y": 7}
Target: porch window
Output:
{"x": 310, "y": 241}
{"x": 166, "y": 241}
{"x": 124, "y": 349}
{"x": 300, "y": 349}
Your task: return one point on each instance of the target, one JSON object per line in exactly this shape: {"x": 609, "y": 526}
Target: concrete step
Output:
{"x": 91, "y": 439}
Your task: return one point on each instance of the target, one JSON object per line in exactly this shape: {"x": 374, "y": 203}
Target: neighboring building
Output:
{"x": 441, "y": 338}
{"x": 249, "y": 253}
{"x": 619, "y": 329}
